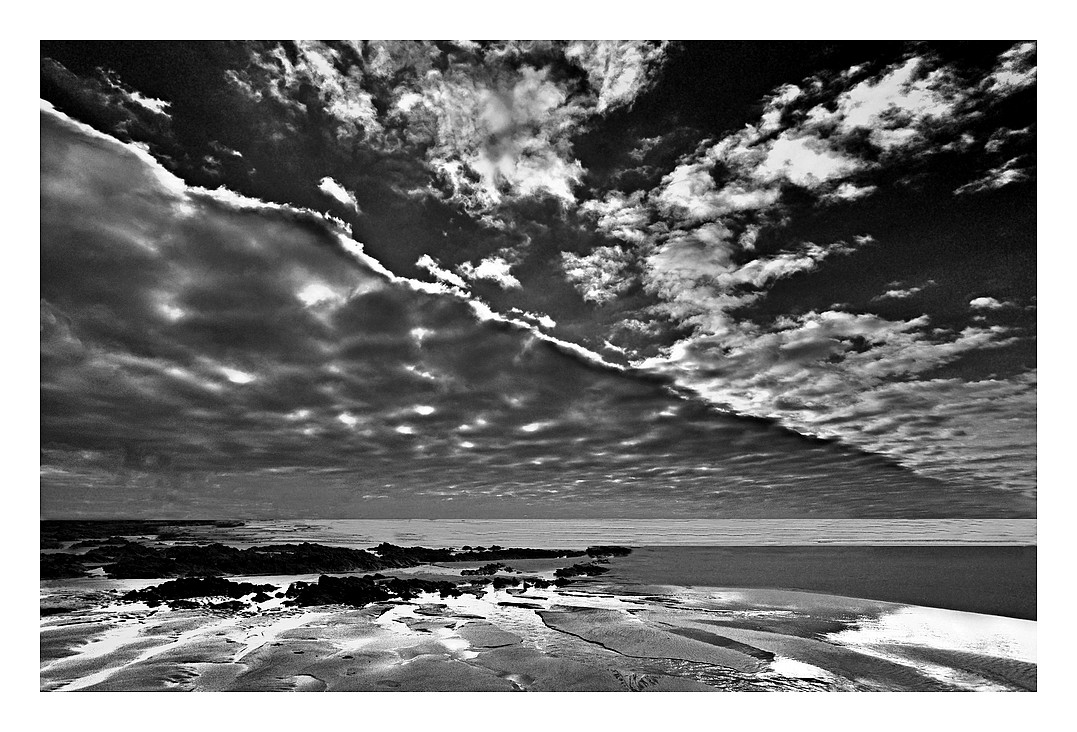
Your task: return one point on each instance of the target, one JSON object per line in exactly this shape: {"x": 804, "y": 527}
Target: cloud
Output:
{"x": 700, "y": 283}
{"x": 898, "y": 293}
{"x": 541, "y": 318}
{"x": 813, "y": 136}
{"x": 620, "y": 70}
{"x": 820, "y": 372}
{"x": 505, "y": 134}
{"x": 495, "y": 269}
{"x": 1016, "y": 69}
{"x": 980, "y": 431}
{"x": 599, "y": 276}
{"x": 1004, "y": 136}
{"x": 427, "y": 262}
{"x": 995, "y": 178}
{"x": 847, "y": 191}
{"x": 493, "y": 122}
{"x": 986, "y": 303}
{"x": 109, "y": 102}
{"x": 714, "y": 237}
{"x": 620, "y": 215}
{"x": 200, "y": 350}
{"x": 334, "y": 190}
{"x": 689, "y": 193}
{"x": 318, "y": 67}
{"x": 892, "y": 107}
{"x": 804, "y": 161}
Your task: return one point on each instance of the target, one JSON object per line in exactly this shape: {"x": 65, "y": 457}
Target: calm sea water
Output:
{"x": 579, "y": 533}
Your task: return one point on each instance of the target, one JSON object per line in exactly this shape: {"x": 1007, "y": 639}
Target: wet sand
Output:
{"x": 618, "y": 632}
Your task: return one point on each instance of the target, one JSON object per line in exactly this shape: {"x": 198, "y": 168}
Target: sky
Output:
{"x": 519, "y": 279}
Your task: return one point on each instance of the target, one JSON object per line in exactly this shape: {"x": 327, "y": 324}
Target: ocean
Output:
{"x": 580, "y": 533}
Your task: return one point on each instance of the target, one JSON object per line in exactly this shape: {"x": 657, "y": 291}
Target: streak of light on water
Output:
{"x": 953, "y": 630}
{"x": 887, "y": 636}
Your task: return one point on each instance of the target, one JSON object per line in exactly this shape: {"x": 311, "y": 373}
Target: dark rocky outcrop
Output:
{"x": 604, "y": 550}
{"x": 132, "y": 560}
{"x": 188, "y": 587}
{"x": 501, "y": 583}
{"x": 360, "y": 591}
{"x": 576, "y": 570}
{"x": 487, "y": 570}
{"x": 229, "y": 605}
{"x": 64, "y": 530}
{"x": 138, "y": 561}
{"x": 498, "y": 553}
{"x": 56, "y": 566}
{"x": 111, "y": 541}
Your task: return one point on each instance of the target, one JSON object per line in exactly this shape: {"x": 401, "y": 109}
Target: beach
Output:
{"x": 660, "y": 618}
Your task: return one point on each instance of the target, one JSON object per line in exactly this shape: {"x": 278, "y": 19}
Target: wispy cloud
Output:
{"x": 995, "y": 178}
{"x": 899, "y": 293}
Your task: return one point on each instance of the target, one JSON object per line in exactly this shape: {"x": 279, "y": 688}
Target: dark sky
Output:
{"x": 538, "y": 279}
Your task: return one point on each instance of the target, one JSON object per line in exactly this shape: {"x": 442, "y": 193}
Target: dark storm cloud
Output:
{"x": 203, "y": 349}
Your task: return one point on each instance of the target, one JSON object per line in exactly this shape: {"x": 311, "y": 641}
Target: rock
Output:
{"x": 589, "y": 570}
{"x": 486, "y": 570}
{"x": 608, "y": 551}
{"x": 231, "y": 606}
{"x": 91, "y": 543}
{"x": 188, "y": 587}
{"x": 56, "y": 566}
{"x": 360, "y": 591}
{"x": 182, "y": 605}
{"x": 133, "y": 560}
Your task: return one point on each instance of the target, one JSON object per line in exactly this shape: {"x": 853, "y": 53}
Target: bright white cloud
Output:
{"x": 599, "y": 276}
{"x": 236, "y": 376}
{"x": 339, "y": 193}
{"x": 804, "y": 161}
{"x": 427, "y": 262}
{"x": 620, "y": 70}
{"x": 897, "y": 294}
{"x": 1016, "y": 69}
{"x": 495, "y": 269}
{"x": 986, "y": 303}
{"x": 541, "y": 318}
{"x": 317, "y": 293}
